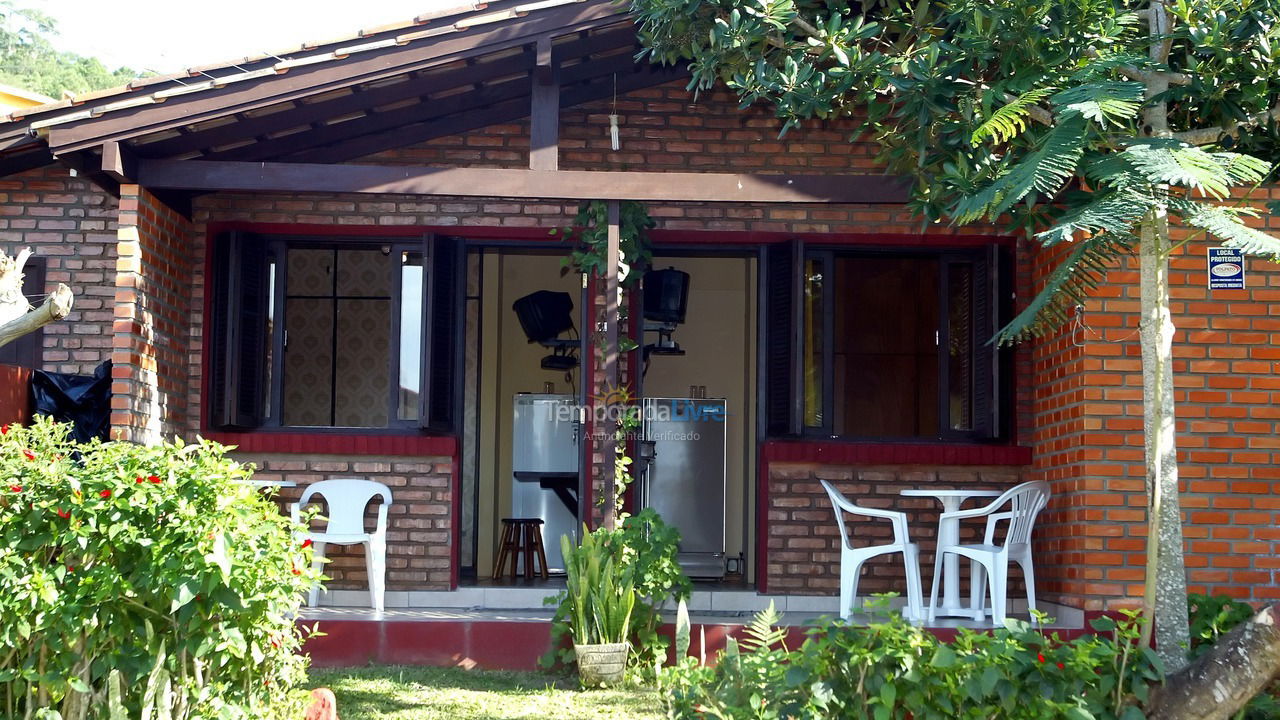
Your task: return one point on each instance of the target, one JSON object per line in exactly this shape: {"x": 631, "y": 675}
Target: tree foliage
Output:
{"x": 29, "y": 60}
{"x": 1092, "y": 122}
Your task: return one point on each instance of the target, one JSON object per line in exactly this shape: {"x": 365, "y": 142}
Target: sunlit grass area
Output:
{"x": 420, "y": 693}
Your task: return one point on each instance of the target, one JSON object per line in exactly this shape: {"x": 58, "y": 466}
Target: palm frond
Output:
{"x": 1242, "y": 169}
{"x": 1183, "y": 165}
{"x": 1225, "y": 223}
{"x": 1010, "y": 120}
{"x": 1102, "y": 102}
{"x": 1112, "y": 211}
{"x": 1045, "y": 169}
{"x": 1068, "y": 285}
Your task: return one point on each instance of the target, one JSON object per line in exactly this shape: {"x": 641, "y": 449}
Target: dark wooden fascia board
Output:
{"x": 119, "y": 163}
{"x": 323, "y": 77}
{"x": 515, "y": 183}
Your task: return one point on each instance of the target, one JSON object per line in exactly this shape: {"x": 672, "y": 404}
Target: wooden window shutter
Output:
{"x": 783, "y": 328}
{"x": 238, "y": 333}
{"x": 28, "y": 350}
{"x": 441, "y": 398}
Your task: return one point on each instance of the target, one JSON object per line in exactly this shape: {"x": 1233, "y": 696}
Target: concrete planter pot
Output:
{"x": 601, "y": 665}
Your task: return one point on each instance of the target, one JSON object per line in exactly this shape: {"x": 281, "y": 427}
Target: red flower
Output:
{"x": 154, "y": 479}
{"x": 64, "y": 514}
{"x": 1040, "y": 657}
{"x": 4, "y": 429}
{"x": 275, "y": 644}
{"x": 15, "y": 488}
{"x": 28, "y": 455}
{"x": 295, "y": 570}
{"x": 306, "y": 543}
{"x": 1061, "y": 666}
{"x": 71, "y": 568}
{"x": 139, "y": 479}
{"x": 105, "y": 494}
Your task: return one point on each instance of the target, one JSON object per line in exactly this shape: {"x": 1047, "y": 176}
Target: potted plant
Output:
{"x": 600, "y": 602}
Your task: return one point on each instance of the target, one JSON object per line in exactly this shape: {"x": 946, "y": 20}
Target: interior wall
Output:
{"x": 510, "y": 364}
{"x": 719, "y": 340}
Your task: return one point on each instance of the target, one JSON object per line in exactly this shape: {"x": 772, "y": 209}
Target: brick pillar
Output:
{"x": 154, "y": 279}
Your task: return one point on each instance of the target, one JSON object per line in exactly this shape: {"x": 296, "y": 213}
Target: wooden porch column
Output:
{"x": 610, "y": 444}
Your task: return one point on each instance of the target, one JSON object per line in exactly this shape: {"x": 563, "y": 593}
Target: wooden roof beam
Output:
{"x": 544, "y": 112}
{"x": 204, "y": 175}
{"x": 424, "y": 129}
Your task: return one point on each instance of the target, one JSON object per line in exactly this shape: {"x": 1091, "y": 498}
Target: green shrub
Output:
{"x": 600, "y": 599}
{"x": 643, "y": 550}
{"x": 892, "y": 669}
{"x": 144, "y": 581}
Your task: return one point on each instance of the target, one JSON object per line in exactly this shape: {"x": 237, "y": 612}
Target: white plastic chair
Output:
{"x": 852, "y": 558}
{"x": 1025, "y": 502}
{"x": 347, "y": 499}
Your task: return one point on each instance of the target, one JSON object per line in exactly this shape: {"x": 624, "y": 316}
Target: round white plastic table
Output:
{"x": 949, "y": 534}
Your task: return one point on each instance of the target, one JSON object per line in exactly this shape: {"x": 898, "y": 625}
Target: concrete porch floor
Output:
{"x": 509, "y": 627}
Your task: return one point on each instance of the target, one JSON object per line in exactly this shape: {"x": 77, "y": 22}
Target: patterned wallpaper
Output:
{"x": 341, "y": 380}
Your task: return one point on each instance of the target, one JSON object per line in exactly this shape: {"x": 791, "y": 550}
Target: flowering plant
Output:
{"x": 143, "y": 580}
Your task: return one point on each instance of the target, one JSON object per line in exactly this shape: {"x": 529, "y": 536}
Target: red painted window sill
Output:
{"x": 873, "y": 453}
{"x": 325, "y": 443}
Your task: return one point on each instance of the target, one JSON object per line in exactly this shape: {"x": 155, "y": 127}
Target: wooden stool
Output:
{"x": 521, "y": 537}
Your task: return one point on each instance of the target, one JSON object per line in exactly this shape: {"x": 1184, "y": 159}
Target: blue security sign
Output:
{"x": 1226, "y": 269}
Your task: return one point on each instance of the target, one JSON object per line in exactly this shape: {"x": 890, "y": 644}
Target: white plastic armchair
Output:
{"x": 989, "y": 562}
{"x": 347, "y": 499}
{"x": 852, "y": 558}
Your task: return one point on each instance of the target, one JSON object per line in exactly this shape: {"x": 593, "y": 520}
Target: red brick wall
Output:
{"x": 419, "y": 524}
{"x": 70, "y": 223}
{"x": 804, "y": 544}
{"x": 155, "y": 271}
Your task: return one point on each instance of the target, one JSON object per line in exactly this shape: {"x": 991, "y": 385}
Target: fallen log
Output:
{"x": 1223, "y": 680}
{"x": 55, "y": 307}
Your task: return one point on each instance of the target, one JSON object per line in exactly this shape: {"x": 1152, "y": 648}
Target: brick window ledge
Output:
{"x": 830, "y": 452}
{"x": 331, "y": 443}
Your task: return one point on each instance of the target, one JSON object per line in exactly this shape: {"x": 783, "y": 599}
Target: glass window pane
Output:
{"x": 814, "y": 325}
{"x": 411, "y": 281}
{"x": 960, "y": 331}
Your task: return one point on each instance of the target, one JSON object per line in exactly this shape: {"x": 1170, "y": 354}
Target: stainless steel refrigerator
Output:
{"x": 544, "y": 463}
{"x": 685, "y": 480}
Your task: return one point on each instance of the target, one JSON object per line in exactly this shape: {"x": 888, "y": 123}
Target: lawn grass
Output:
{"x": 424, "y": 693}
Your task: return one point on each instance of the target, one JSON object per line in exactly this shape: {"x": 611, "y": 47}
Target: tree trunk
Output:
{"x": 56, "y": 306}
{"x": 1220, "y": 682}
{"x": 1166, "y": 589}
{"x": 1165, "y": 595}
{"x": 12, "y": 302}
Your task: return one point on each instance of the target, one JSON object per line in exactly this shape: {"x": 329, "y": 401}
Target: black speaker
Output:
{"x": 666, "y": 295}
{"x": 544, "y": 314}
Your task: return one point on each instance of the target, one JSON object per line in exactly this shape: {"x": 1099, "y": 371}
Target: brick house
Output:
{"x": 263, "y": 247}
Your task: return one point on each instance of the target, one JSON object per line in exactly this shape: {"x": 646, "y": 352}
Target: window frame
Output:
{"x": 988, "y": 264}
{"x": 278, "y": 248}
{"x": 273, "y": 246}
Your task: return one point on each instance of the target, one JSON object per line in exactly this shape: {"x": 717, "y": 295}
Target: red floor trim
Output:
{"x": 492, "y": 645}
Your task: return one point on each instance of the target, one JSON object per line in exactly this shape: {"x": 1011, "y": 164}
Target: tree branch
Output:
{"x": 1224, "y": 679}
{"x": 1133, "y": 73}
{"x": 56, "y": 307}
{"x": 1206, "y": 136}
